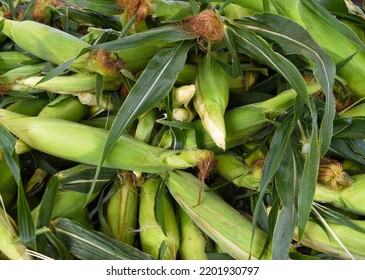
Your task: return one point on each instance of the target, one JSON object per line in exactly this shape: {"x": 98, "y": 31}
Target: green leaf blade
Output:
{"x": 89, "y": 244}
{"x": 286, "y": 183}
{"x": 294, "y": 39}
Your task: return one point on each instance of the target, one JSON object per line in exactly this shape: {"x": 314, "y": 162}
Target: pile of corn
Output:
{"x": 192, "y": 130}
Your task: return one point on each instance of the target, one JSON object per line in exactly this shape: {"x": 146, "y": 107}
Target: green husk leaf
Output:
{"x": 159, "y": 208}
{"x": 309, "y": 178}
{"x": 89, "y": 244}
{"x": 286, "y": 183}
{"x": 45, "y": 210}
{"x": 25, "y": 222}
{"x": 349, "y": 128}
{"x": 348, "y": 148}
{"x": 99, "y": 88}
{"x": 337, "y": 217}
{"x": 157, "y": 35}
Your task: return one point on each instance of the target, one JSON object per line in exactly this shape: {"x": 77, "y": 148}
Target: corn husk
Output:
{"x": 122, "y": 209}
{"x": 8, "y": 232}
{"x": 73, "y": 84}
{"x": 193, "y": 241}
{"x": 84, "y": 144}
{"x": 228, "y": 228}
{"x": 152, "y": 236}
{"x": 318, "y": 238}
{"x": 58, "y": 47}
{"x": 66, "y": 108}
{"x": 211, "y": 98}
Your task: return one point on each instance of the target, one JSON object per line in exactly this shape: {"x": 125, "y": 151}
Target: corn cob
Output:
{"x": 316, "y": 237}
{"x": 58, "y": 47}
{"x": 136, "y": 58}
{"x": 8, "y": 232}
{"x": 192, "y": 239}
{"x": 146, "y": 124}
{"x": 216, "y": 218}
{"x": 234, "y": 11}
{"x": 231, "y": 167}
{"x": 29, "y": 107}
{"x": 211, "y": 98}
{"x": 65, "y": 107}
{"x": 348, "y": 198}
{"x": 356, "y": 111}
{"x": 122, "y": 209}
{"x": 13, "y": 75}
{"x": 45, "y": 42}
{"x": 21, "y": 147}
{"x": 14, "y": 59}
{"x": 74, "y": 184}
{"x": 73, "y": 84}
{"x": 151, "y": 234}
{"x": 57, "y": 137}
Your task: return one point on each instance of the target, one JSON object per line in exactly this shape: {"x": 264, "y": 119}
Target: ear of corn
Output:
{"x": 318, "y": 238}
{"x": 232, "y": 168}
{"x": 73, "y": 84}
{"x": 136, "y": 58}
{"x": 14, "y": 59}
{"x": 8, "y": 232}
{"x": 356, "y": 111}
{"x": 349, "y": 198}
{"x": 152, "y": 235}
{"x": 74, "y": 184}
{"x": 13, "y": 75}
{"x": 122, "y": 209}
{"x": 82, "y": 143}
{"x": 66, "y": 108}
{"x": 211, "y": 98}
{"x": 88, "y": 244}
{"x": 216, "y": 218}
{"x": 29, "y": 107}
{"x": 58, "y": 47}
{"x": 192, "y": 239}
{"x": 146, "y": 124}
{"x": 45, "y": 42}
